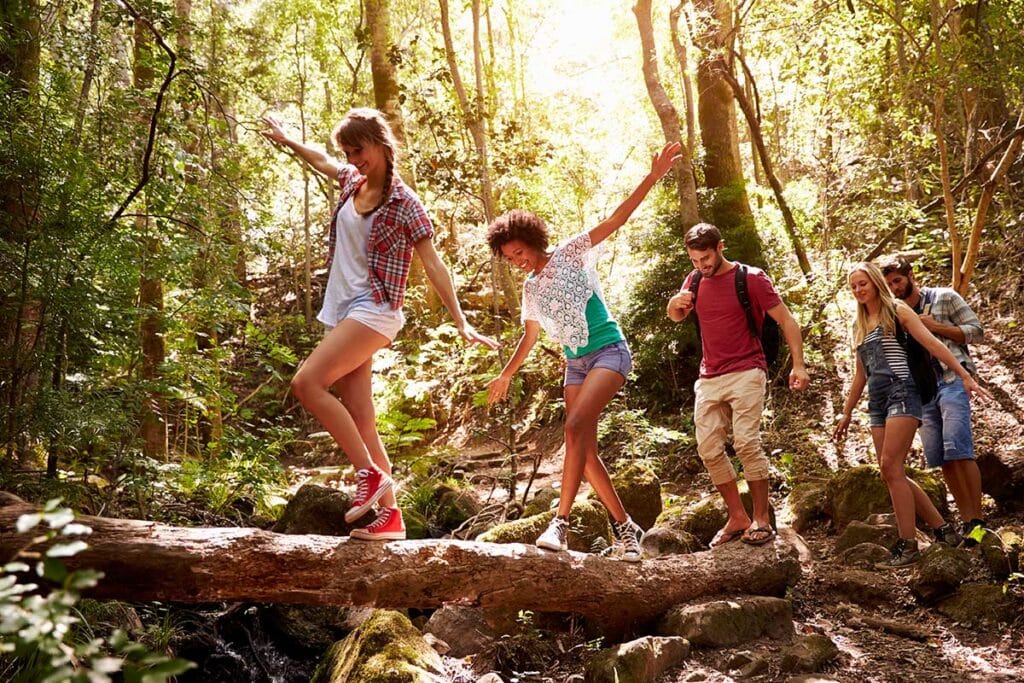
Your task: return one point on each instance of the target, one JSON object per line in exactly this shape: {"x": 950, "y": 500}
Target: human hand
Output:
{"x": 799, "y": 379}
{"x": 471, "y": 336}
{"x": 840, "y": 431}
{"x": 681, "y": 303}
{"x": 929, "y": 322}
{"x": 975, "y": 389}
{"x": 497, "y": 389}
{"x": 662, "y": 161}
{"x": 275, "y": 130}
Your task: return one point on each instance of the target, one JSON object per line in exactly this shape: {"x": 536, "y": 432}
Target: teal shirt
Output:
{"x": 603, "y": 330}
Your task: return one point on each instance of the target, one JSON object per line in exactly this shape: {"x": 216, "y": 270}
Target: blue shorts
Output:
{"x": 946, "y": 428}
{"x": 892, "y": 397}
{"x": 612, "y": 357}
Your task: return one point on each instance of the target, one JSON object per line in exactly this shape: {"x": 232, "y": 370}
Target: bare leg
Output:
{"x": 759, "y": 495}
{"x": 356, "y": 393}
{"x": 345, "y": 348}
{"x": 738, "y": 520}
{"x": 893, "y": 443}
{"x": 583, "y": 406}
{"x": 964, "y": 481}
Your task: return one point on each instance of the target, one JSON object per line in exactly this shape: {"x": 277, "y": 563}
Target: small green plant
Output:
{"x": 36, "y": 619}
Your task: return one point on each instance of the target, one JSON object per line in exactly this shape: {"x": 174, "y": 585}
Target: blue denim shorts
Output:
{"x": 612, "y": 357}
{"x": 892, "y": 397}
{"x": 946, "y": 425}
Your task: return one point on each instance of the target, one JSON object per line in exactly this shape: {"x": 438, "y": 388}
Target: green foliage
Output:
{"x": 36, "y": 629}
{"x": 629, "y": 433}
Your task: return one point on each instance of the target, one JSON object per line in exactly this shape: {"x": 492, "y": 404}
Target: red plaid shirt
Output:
{"x": 397, "y": 226}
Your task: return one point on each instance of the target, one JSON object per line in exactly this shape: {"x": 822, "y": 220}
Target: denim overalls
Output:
{"x": 888, "y": 395}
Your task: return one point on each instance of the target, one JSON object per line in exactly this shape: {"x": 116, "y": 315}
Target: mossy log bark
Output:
{"x": 150, "y": 561}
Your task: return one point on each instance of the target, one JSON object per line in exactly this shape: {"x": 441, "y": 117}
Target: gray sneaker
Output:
{"x": 555, "y": 536}
{"x": 904, "y": 554}
{"x": 628, "y": 534}
{"x": 948, "y": 535}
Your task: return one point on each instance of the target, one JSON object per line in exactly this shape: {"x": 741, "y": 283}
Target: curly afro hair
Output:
{"x": 517, "y": 224}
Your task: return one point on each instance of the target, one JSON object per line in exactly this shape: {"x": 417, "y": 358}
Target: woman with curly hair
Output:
{"x": 562, "y": 296}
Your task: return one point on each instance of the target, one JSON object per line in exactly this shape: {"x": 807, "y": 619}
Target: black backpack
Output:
{"x": 920, "y": 362}
{"x": 767, "y": 332}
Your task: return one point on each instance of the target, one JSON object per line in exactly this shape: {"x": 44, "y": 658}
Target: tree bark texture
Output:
{"x": 150, "y": 561}
{"x": 762, "y": 152}
{"x": 153, "y": 426}
{"x": 729, "y": 207}
{"x": 668, "y": 116}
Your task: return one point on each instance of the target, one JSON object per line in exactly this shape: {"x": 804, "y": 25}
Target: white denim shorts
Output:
{"x": 382, "y": 319}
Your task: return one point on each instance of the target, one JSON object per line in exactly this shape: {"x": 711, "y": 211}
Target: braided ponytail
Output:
{"x": 385, "y": 193}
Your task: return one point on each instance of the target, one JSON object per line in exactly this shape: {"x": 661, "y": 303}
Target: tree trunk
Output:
{"x": 150, "y": 561}
{"x": 667, "y": 115}
{"x": 684, "y": 72}
{"x": 386, "y": 97}
{"x": 762, "y": 152}
{"x": 729, "y": 208}
{"x": 153, "y": 427}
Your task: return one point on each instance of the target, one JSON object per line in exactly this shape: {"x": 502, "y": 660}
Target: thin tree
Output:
{"x": 667, "y": 115}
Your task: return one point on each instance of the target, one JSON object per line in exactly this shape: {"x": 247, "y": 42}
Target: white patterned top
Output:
{"x": 557, "y": 296}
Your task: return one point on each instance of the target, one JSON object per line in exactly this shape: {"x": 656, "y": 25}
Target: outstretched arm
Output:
{"x": 441, "y": 280}
{"x": 913, "y": 325}
{"x": 856, "y": 389}
{"x": 316, "y": 158}
{"x": 497, "y": 388}
{"x": 660, "y": 164}
{"x": 798, "y": 377}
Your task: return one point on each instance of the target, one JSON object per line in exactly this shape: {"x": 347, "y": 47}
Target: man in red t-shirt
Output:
{"x": 733, "y": 376}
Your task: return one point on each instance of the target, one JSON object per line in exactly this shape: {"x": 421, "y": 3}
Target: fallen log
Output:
{"x": 144, "y": 561}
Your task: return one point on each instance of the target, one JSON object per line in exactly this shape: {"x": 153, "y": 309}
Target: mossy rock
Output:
{"x": 863, "y": 555}
{"x": 860, "y": 491}
{"x": 454, "y": 506}
{"x": 940, "y": 572}
{"x": 660, "y": 541}
{"x": 977, "y": 603}
{"x": 857, "y": 533}
{"x": 808, "y": 505}
{"x": 315, "y": 627}
{"x": 1013, "y": 541}
{"x": 416, "y": 525}
{"x": 997, "y": 558}
{"x": 318, "y": 510}
{"x": 639, "y": 490}
{"x": 541, "y": 501}
{"x": 588, "y": 524}
{"x": 724, "y": 623}
{"x": 387, "y": 648}
{"x": 638, "y": 661}
{"x": 808, "y": 653}
{"x": 705, "y": 517}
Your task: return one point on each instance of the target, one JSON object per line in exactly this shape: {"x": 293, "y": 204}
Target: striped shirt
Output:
{"x": 397, "y": 226}
{"x": 949, "y": 308}
{"x": 895, "y": 354}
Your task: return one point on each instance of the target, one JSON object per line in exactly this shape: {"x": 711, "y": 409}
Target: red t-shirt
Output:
{"x": 725, "y": 336}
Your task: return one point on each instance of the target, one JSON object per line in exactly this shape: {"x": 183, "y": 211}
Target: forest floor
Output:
{"x": 937, "y": 648}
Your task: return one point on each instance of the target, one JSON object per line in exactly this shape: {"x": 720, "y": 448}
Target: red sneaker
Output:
{"x": 387, "y": 527}
{"x": 370, "y": 486}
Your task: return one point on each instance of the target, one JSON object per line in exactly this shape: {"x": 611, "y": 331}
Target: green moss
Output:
{"x": 639, "y": 489}
{"x": 387, "y": 648}
{"x": 860, "y": 491}
{"x": 588, "y": 523}
{"x": 541, "y": 501}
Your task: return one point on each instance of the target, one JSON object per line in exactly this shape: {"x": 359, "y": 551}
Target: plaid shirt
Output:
{"x": 949, "y": 308}
{"x": 397, "y": 226}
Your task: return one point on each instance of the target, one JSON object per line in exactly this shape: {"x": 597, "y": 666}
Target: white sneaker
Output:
{"x": 555, "y": 536}
{"x": 629, "y": 534}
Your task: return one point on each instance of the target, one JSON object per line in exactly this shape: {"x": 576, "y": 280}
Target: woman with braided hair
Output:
{"x": 376, "y": 226}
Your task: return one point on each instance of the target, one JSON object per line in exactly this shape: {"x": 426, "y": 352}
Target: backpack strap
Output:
{"x": 695, "y": 279}
{"x": 744, "y": 296}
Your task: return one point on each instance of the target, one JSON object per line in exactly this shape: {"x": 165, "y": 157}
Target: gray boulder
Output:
{"x": 638, "y": 661}
{"x": 662, "y": 541}
{"x": 939, "y": 572}
{"x": 857, "y": 532}
{"x": 808, "y": 654}
{"x": 724, "y": 623}
{"x": 863, "y": 555}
